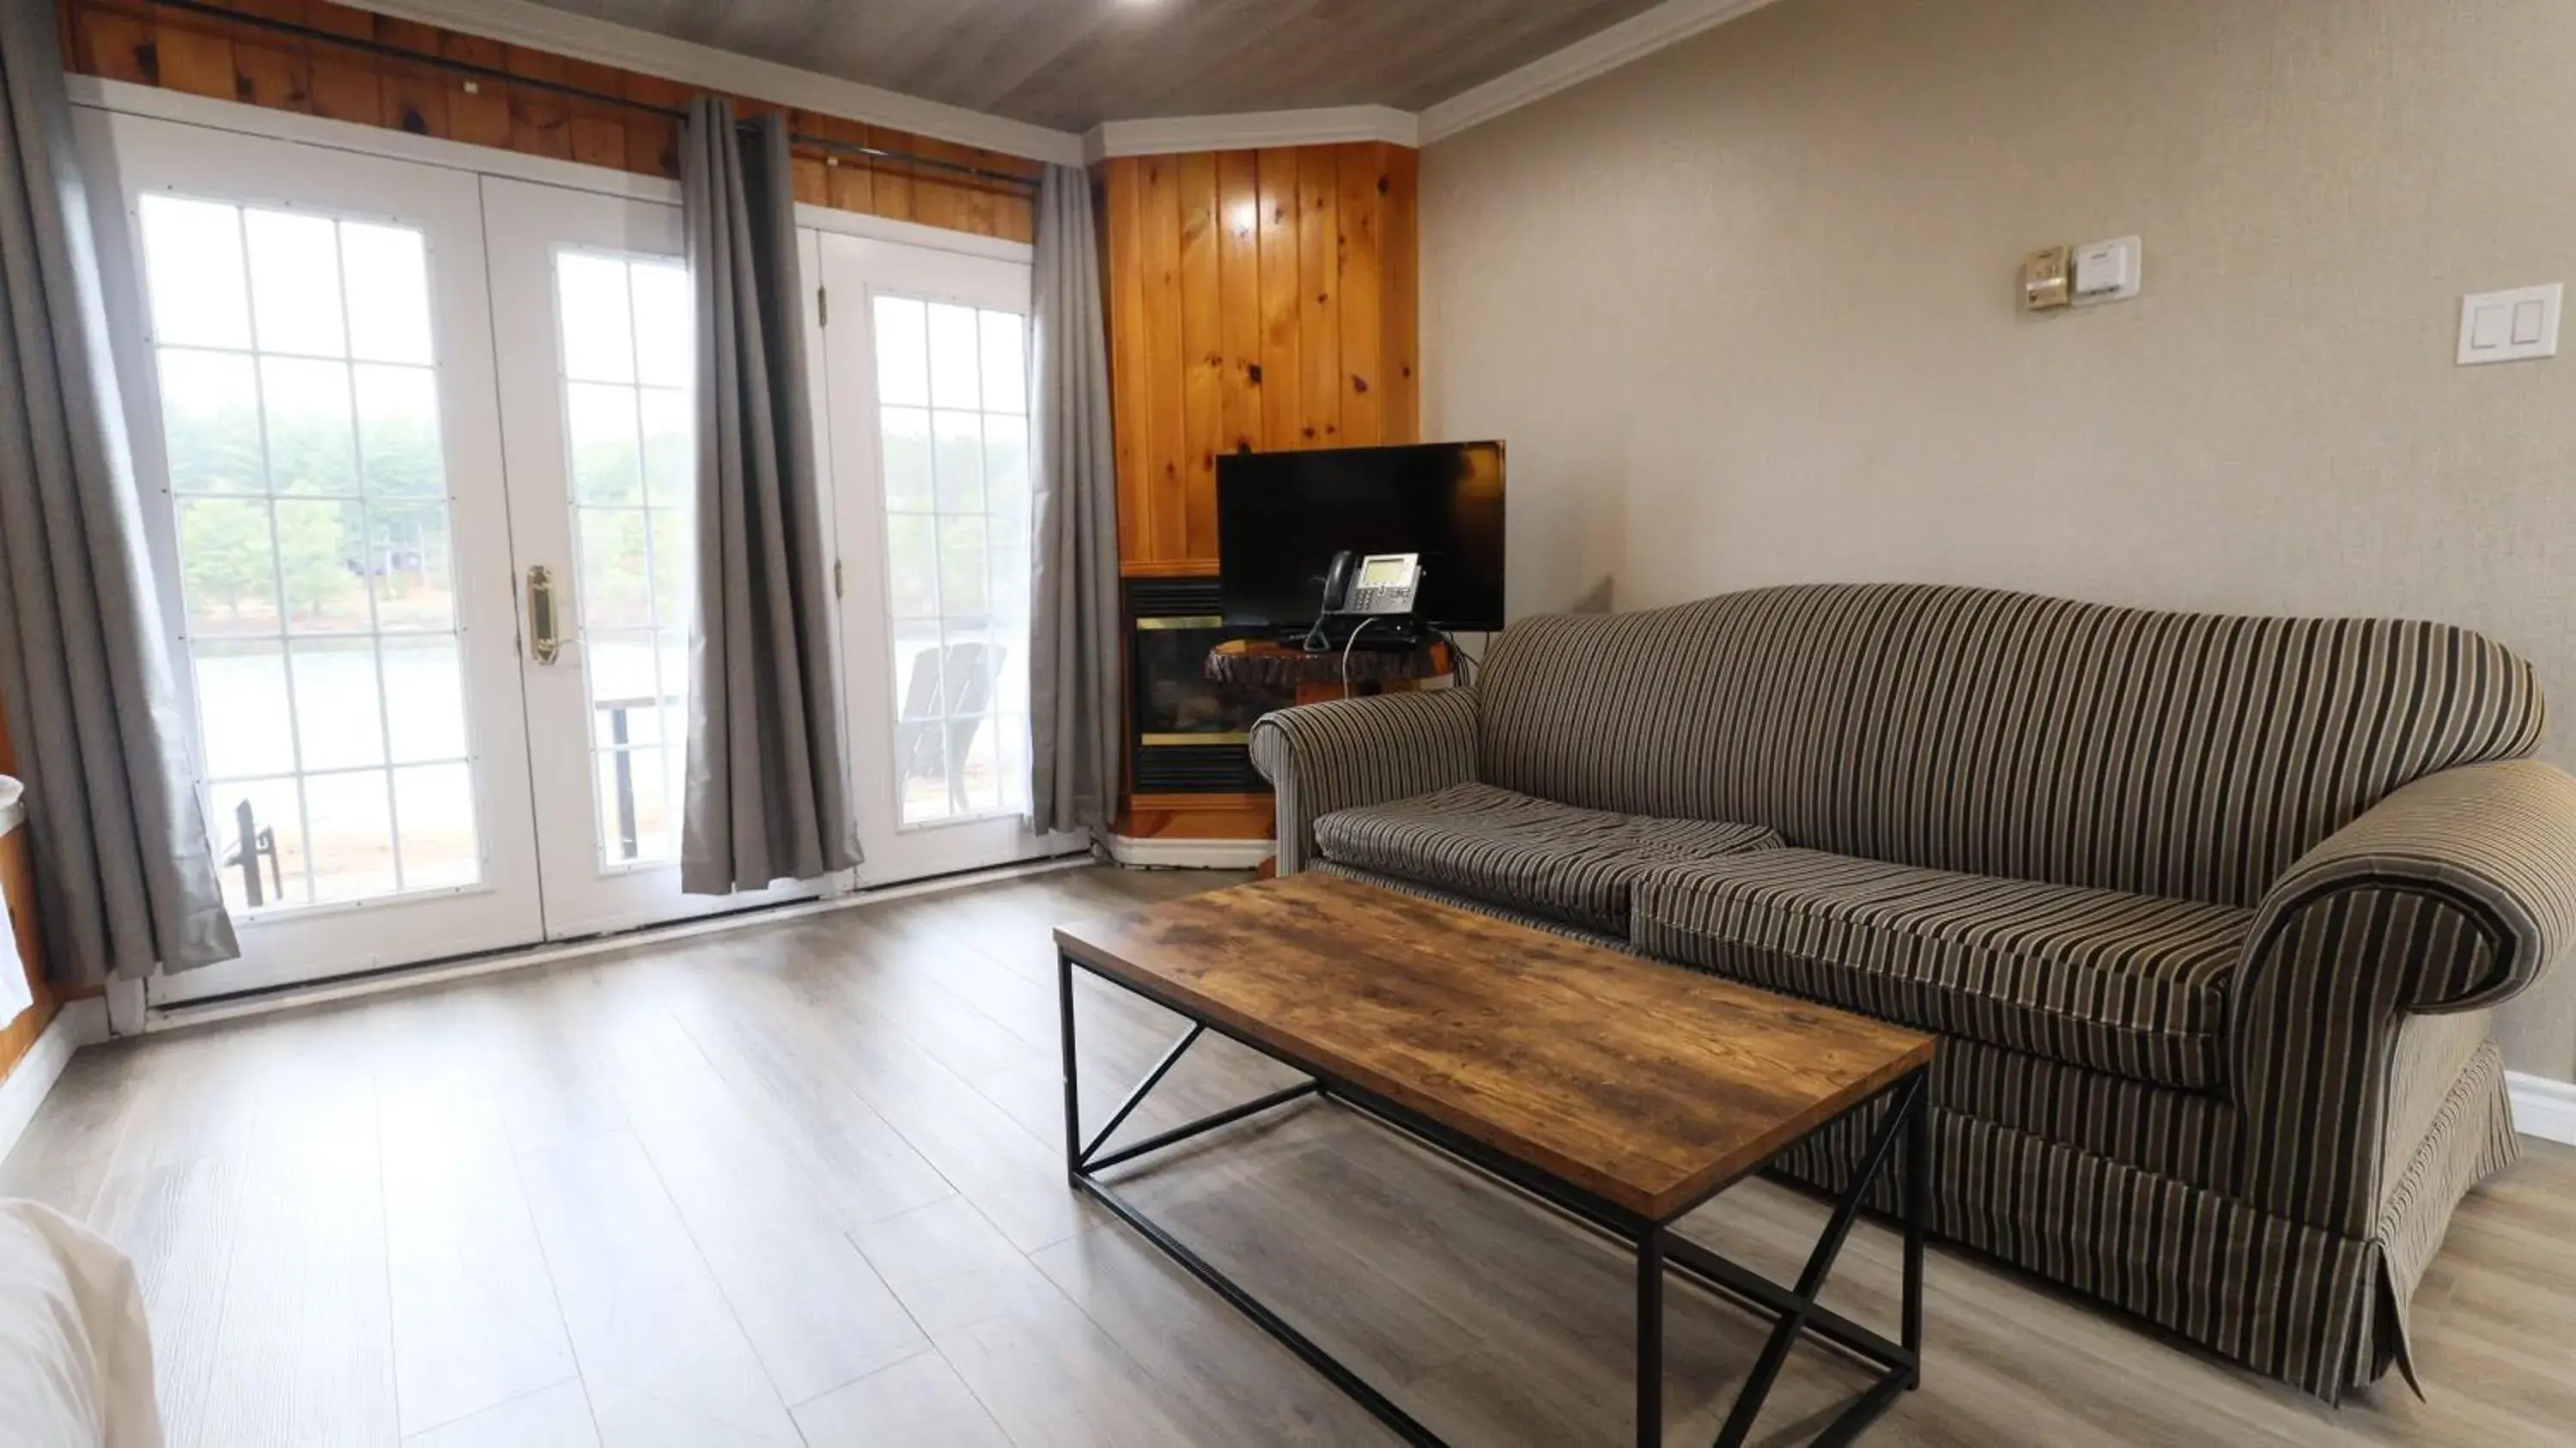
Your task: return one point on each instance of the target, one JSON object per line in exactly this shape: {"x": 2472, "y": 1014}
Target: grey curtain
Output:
{"x": 125, "y": 878}
{"x": 1075, "y": 732}
{"x": 767, "y": 796}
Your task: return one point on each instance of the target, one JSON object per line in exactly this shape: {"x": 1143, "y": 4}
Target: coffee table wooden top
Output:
{"x": 1649, "y": 1085}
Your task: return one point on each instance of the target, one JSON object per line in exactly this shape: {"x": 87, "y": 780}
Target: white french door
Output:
{"x": 311, "y": 362}
{"x": 419, "y": 466}
{"x": 592, "y": 313}
{"x": 925, "y": 383}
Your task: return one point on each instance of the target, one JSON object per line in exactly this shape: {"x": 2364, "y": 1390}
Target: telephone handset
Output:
{"x": 1380, "y": 583}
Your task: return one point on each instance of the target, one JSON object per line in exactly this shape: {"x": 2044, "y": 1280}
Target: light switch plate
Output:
{"x": 2109, "y": 271}
{"x": 2514, "y": 326}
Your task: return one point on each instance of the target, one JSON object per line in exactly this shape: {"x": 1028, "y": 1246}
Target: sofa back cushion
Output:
{"x": 2191, "y": 755}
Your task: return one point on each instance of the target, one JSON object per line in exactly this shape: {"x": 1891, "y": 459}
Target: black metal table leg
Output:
{"x": 1072, "y": 1078}
{"x": 1650, "y": 1339}
{"x": 1918, "y": 1214}
{"x": 1796, "y": 1310}
{"x": 1905, "y": 1108}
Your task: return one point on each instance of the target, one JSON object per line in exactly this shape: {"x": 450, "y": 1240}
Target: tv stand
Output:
{"x": 1366, "y": 633}
{"x": 1319, "y": 677}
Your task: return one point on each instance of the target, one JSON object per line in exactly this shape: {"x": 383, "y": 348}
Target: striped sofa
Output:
{"x": 2209, "y": 911}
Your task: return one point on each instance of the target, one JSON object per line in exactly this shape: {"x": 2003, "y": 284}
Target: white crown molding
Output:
{"x": 584, "y": 37}
{"x": 2542, "y": 1107}
{"x": 1251, "y": 130}
{"x": 1631, "y": 39}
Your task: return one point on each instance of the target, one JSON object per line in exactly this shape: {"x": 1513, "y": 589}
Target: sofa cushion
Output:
{"x": 2135, "y": 985}
{"x": 1531, "y": 854}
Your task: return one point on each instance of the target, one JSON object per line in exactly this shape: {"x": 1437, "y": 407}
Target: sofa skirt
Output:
{"x": 2315, "y": 1309}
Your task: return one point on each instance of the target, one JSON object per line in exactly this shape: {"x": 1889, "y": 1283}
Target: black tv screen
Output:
{"x": 1282, "y": 516}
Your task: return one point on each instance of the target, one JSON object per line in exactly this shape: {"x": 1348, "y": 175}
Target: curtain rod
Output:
{"x": 556, "y": 87}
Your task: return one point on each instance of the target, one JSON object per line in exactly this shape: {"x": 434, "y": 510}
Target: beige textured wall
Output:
{"x": 1745, "y": 312}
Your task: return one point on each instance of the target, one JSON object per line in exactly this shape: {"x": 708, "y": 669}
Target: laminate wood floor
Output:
{"x": 803, "y": 1182}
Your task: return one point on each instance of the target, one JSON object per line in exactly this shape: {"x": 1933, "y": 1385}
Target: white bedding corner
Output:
{"x": 75, "y": 1352}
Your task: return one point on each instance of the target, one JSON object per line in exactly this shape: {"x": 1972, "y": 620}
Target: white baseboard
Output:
{"x": 1191, "y": 854}
{"x": 76, "y": 1025}
{"x": 2542, "y": 1107}
{"x": 183, "y": 1014}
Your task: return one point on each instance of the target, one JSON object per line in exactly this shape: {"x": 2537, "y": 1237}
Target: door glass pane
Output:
{"x": 961, "y": 566}
{"x": 210, "y": 416}
{"x": 312, "y": 442}
{"x": 1006, "y": 464}
{"x": 321, "y": 561}
{"x": 907, "y": 460}
{"x": 912, "y": 559}
{"x": 440, "y": 845}
{"x": 398, "y": 432}
{"x": 956, "y": 358}
{"x": 1005, "y": 368}
{"x": 593, "y": 304}
{"x": 673, "y": 646}
{"x": 339, "y": 704}
{"x": 295, "y": 283}
{"x": 670, "y": 461}
{"x": 903, "y": 352}
{"x": 387, "y": 272}
{"x": 350, "y": 819}
{"x": 250, "y": 716}
{"x": 631, "y": 451}
{"x": 424, "y": 698}
{"x": 269, "y": 815}
{"x": 614, "y": 569}
{"x": 624, "y": 688}
{"x": 600, "y": 421}
{"x": 227, "y": 566}
{"x": 315, "y": 559}
{"x": 192, "y": 265}
{"x": 663, "y": 333}
{"x": 407, "y": 562}
{"x": 957, "y": 460}
{"x": 957, "y": 522}
{"x": 633, "y": 787}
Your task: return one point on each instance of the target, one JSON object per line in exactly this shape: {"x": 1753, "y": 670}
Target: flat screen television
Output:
{"x": 1280, "y": 518}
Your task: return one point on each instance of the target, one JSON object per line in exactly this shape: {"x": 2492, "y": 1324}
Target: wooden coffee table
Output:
{"x": 1620, "y": 1091}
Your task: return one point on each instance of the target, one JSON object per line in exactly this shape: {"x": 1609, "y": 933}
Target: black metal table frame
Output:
{"x": 1658, "y": 1248}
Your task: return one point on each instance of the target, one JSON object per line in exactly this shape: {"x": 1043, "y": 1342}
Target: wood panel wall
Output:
{"x": 133, "y": 40}
{"x": 18, "y": 885}
{"x": 1259, "y": 301}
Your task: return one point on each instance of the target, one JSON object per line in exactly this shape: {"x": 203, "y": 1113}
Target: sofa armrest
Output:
{"x": 1323, "y": 757}
{"x": 2452, "y": 893}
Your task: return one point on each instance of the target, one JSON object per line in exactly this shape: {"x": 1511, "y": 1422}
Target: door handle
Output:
{"x": 545, "y": 641}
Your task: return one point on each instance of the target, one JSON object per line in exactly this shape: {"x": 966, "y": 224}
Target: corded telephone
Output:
{"x": 1374, "y": 589}
{"x": 1380, "y": 583}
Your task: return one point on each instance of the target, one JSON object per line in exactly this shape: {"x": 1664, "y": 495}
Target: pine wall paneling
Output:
{"x": 133, "y": 40}
{"x": 18, "y": 883}
{"x": 1259, "y": 301}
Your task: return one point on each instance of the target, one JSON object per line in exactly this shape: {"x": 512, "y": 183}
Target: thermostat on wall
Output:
{"x": 2108, "y": 271}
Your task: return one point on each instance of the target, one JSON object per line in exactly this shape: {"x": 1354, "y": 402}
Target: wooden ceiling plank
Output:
{"x": 1073, "y": 66}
